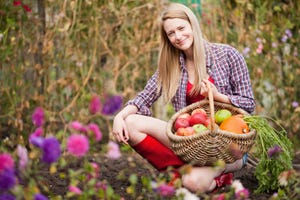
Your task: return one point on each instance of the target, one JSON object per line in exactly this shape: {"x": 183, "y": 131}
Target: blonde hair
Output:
{"x": 168, "y": 62}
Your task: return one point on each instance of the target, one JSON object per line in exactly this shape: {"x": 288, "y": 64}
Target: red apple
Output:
{"x": 185, "y": 115}
{"x": 199, "y": 110}
{"x": 189, "y": 131}
{"x": 181, "y": 123}
{"x": 197, "y": 118}
{"x": 180, "y": 131}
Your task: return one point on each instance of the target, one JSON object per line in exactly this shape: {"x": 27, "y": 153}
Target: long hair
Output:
{"x": 168, "y": 62}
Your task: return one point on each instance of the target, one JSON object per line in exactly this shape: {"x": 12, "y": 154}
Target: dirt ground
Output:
{"x": 132, "y": 163}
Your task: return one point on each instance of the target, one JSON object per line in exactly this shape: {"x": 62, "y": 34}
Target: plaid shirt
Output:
{"x": 225, "y": 65}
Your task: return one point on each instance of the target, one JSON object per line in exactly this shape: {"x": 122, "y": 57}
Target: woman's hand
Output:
{"x": 120, "y": 130}
{"x": 216, "y": 94}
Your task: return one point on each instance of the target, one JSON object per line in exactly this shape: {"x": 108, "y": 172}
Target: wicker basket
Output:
{"x": 211, "y": 145}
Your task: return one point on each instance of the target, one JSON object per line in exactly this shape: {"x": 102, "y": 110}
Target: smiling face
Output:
{"x": 179, "y": 33}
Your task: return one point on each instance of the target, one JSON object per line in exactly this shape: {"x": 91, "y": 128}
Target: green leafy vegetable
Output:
{"x": 270, "y": 166}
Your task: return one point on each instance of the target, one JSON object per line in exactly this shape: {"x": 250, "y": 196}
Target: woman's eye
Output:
{"x": 181, "y": 28}
{"x": 170, "y": 34}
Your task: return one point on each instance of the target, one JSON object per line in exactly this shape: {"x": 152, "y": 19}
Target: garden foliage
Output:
{"x": 62, "y": 55}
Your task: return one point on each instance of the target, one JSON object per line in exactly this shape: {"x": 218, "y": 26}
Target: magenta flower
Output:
{"x": 74, "y": 189}
{"x": 78, "y": 145}
{"x": 38, "y": 117}
{"x": 17, "y": 3}
{"x": 274, "y": 151}
{"x": 38, "y": 132}
{"x": 51, "y": 150}
{"x": 242, "y": 194}
{"x": 40, "y": 197}
{"x": 77, "y": 126}
{"x": 112, "y": 105}
{"x": 96, "y": 131}
{"x": 7, "y": 179}
{"x": 113, "y": 151}
{"x": 95, "y": 104}
{"x": 95, "y": 173}
{"x": 23, "y": 156}
{"x": 6, "y": 161}
{"x": 165, "y": 190}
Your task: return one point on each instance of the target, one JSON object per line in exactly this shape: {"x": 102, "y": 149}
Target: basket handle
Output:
{"x": 211, "y": 108}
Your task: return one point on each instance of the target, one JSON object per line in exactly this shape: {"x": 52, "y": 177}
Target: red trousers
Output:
{"x": 157, "y": 154}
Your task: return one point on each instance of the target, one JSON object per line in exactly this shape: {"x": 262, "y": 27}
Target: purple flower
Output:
{"x": 113, "y": 151}
{"x": 51, "y": 150}
{"x": 78, "y": 145}
{"x": 246, "y": 51}
{"x": 242, "y": 194}
{"x": 284, "y": 38}
{"x": 40, "y": 197}
{"x": 96, "y": 131}
{"x": 36, "y": 141}
{"x": 6, "y": 161}
{"x": 274, "y": 151}
{"x": 95, "y": 104}
{"x": 38, "y": 117}
{"x": 295, "y": 104}
{"x": 7, "y": 179}
{"x": 288, "y": 33}
{"x": 23, "y": 156}
{"x": 111, "y": 105}
{"x": 165, "y": 190}
{"x": 7, "y": 197}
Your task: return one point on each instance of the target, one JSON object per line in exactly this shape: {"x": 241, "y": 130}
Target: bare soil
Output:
{"x": 112, "y": 172}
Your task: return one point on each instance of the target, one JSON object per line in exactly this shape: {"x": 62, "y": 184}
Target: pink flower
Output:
{"x": 113, "y": 151}
{"x": 239, "y": 190}
{"x": 38, "y": 117}
{"x": 23, "y": 156}
{"x": 26, "y": 8}
{"x": 78, "y": 145}
{"x": 95, "y": 104}
{"x": 74, "y": 189}
{"x": 38, "y": 132}
{"x": 76, "y": 125}
{"x": 17, "y": 3}
{"x": 95, "y": 173}
{"x": 95, "y": 129}
{"x": 165, "y": 190}
{"x": 6, "y": 161}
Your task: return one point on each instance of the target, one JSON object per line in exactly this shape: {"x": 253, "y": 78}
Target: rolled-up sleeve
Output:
{"x": 144, "y": 99}
{"x": 242, "y": 93}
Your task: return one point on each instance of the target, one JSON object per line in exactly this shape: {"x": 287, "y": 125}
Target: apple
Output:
{"x": 185, "y": 115}
{"x": 199, "y": 128}
{"x": 189, "y": 131}
{"x": 197, "y": 118}
{"x": 181, "y": 123}
{"x": 180, "y": 131}
{"x": 199, "y": 110}
{"x": 222, "y": 115}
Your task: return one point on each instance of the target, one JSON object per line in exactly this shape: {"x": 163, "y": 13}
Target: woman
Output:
{"x": 187, "y": 64}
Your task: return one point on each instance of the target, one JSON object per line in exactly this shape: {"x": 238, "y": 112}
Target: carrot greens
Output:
{"x": 273, "y": 149}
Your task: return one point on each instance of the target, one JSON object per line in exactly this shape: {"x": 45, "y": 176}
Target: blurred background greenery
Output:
{"x": 57, "y": 54}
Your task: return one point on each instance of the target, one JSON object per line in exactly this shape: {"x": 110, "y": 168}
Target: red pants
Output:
{"x": 157, "y": 154}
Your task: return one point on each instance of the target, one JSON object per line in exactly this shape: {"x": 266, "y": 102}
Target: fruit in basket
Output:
{"x": 235, "y": 124}
{"x": 185, "y": 115}
{"x": 199, "y": 110}
{"x": 181, "y": 123}
{"x": 199, "y": 128}
{"x": 185, "y": 131}
{"x": 222, "y": 115}
{"x": 198, "y": 118}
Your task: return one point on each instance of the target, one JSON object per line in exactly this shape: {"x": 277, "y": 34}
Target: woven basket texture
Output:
{"x": 206, "y": 148}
